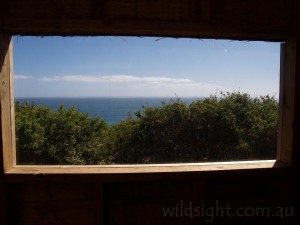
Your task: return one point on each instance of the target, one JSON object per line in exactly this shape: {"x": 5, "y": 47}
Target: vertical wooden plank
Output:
{"x": 98, "y": 204}
{"x": 3, "y": 50}
{"x": 295, "y": 187}
{"x": 287, "y": 101}
{"x": 2, "y": 199}
{"x": 7, "y": 110}
{"x": 199, "y": 198}
{"x": 281, "y": 89}
{"x": 2, "y": 203}
{"x": 296, "y": 140}
{"x": 12, "y": 103}
{"x": 2, "y": 186}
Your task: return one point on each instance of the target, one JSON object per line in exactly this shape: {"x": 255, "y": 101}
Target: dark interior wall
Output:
{"x": 205, "y": 18}
{"x": 142, "y": 198}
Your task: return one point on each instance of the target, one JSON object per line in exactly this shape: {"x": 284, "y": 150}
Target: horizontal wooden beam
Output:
{"x": 151, "y": 168}
{"x": 142, "y": 28}
{"x": 270, "y": 20}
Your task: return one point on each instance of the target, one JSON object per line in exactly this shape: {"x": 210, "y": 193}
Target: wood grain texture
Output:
{"x": 137, "y": 195}
{"x": 198, "y": 18}
{"x": 287, "y": 101}
{"x": 3, "y": 60}
{"x": 6, "y": 107}
{"x": 145, "y": 168}
{"x": 52, "y": 203}
{"x": 2, "y": 188}
{"x": 141, "y": 201}
{"x": 296, "y": 122}
{"x": 295, "y": 186}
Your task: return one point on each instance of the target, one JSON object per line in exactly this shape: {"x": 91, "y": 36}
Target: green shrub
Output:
{"x": 234, "y": 126}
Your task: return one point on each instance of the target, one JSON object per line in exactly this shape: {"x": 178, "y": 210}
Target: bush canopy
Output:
{"x": 233, "y": 126}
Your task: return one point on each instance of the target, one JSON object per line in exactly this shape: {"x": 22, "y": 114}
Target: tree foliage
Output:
{"x": 233, "y": 126}
{"x": 62, "y": 137}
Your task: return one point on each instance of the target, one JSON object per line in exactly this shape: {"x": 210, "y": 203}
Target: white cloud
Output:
{"x": 116, "y": 79}
{"x": 126, "y": 85}
{"x": 21, "y": 77}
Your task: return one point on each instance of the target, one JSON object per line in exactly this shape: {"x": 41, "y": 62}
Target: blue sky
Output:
{"x": 142, "y": 67}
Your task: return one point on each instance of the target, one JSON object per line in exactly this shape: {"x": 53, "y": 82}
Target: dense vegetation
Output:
{"x": 234, "y": 126}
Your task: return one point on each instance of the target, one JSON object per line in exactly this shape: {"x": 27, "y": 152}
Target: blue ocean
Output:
{"x": 113, "y": 110}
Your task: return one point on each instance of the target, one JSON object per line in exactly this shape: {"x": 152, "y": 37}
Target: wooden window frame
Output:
{"x": 285, "y": 134}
